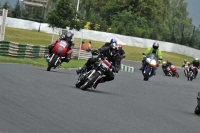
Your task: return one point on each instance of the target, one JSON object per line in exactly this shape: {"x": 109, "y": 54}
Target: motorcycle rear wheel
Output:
{"x": 90, "y": 81}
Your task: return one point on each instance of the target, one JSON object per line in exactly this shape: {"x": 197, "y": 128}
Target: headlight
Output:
{"x": 60, "y": 49}
{"x": 147, "y": 60}
{"x": 153, "y": 63}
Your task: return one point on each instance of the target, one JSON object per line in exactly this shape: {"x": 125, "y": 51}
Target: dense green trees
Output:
{"x": 165, "y": 20}
{"x": 63, "y": 15}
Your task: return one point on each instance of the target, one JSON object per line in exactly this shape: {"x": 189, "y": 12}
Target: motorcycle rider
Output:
{"x": 107, "y": 44}
{"x": 185, "y": 63}
{"x": 164, "y": 66}
{"x": 68, "y": 38}
{"x": 154, "y": 49}
{"x": 121, "y": 51}
{"x": 196, "y": 64}
{"x": 112, "y": 54}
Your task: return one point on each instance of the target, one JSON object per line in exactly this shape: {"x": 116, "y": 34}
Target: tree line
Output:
{"x": 164, "y": 20}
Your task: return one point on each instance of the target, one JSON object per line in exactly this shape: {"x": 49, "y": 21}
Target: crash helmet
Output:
{"x": 185, "y": 61}
{"x": 113, "y": 40}
{"x": 120, "y": 46}
{"x": 68, "y": 35}
{"x": 155, "y": 45}
{"x": 114, "y": 49}
{"x": 168, "y": 62}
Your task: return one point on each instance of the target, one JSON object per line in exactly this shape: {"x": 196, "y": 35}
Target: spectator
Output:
{"x": 82, "y": 46}
{"x": 88, "y": 46}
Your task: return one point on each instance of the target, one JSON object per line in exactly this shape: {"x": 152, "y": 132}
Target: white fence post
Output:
{"x": 3, "y": 24}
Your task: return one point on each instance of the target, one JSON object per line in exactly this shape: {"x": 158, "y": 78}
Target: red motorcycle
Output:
{"x": 59, "y": 52}
{"x": 172, "y": 71}
{"x": 191, "y": 73}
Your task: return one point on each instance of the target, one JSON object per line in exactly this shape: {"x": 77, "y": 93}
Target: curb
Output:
{"x": 127, "y": 68}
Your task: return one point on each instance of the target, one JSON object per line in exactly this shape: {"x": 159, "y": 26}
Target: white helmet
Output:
{"x": 164, "y": 62}
{"x": 196, "y": 59}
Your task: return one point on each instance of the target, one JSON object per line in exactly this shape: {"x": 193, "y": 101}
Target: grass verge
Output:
{"x": 41, "y": 62}
{"x": 40, "y": 38}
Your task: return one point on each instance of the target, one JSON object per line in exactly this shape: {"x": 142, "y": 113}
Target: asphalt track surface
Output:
{"x": 33, "y": 100}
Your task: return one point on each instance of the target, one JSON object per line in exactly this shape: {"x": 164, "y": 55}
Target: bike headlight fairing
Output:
{"x": 153, "y": 63}
{"x": 148, "y": 60}
{"x": 60, "y": 49}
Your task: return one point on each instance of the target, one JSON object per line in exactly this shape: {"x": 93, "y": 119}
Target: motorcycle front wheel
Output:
{"x": 146, "y": 75}
{"x": 177, "y": 75}
{"x": 90, "y": 81}
{"x": 197, "y": 110}
{"x": 79, "y": 83}
{"x": 51, "y": 64}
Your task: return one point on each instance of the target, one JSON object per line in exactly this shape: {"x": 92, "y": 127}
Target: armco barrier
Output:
{"x": 8, "y": 48}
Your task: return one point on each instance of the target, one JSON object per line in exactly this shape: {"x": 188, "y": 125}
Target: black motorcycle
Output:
{"x": 197, "y": 109}
{"x": 97, "y": 71}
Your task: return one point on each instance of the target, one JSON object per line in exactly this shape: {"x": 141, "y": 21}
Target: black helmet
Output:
{"x": 168, "y": 62}
{"x": 185, "y": 61}
{"x": 68, "y": 35}
{"x": 155, "y": 45}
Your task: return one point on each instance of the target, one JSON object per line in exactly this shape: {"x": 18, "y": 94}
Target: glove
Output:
{"x": 159, "y": 61}
{"x": 95, "y": 52}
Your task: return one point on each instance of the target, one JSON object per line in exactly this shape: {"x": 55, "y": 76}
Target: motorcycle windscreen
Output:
{"x": 61, "y": 47}
{"x": 152, "y": 56}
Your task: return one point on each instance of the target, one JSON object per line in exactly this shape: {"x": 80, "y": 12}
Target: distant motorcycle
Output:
{"x": 172, "y": 71}
{"x": 149, "y": 64}
{"x": 186, "y": 69}
{"x": 197, "y": 109}
{"x": 59, "y": 52}
{"x": 191, "y": 73}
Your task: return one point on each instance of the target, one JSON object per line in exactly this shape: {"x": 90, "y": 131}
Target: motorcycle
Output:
{"x": 150, "y": 64}
{"x": 197, "y": 109}
{"x": 59, "y": 52}
{"x": 97, "y": 71}
{"x": 172, "y": 71}
{"x": 191, "y": 73}
{"x": 185, "y": 70}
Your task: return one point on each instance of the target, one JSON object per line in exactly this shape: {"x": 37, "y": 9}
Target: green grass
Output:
{"x": 39, "y": 38}
{"x": 41, "y": 62}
